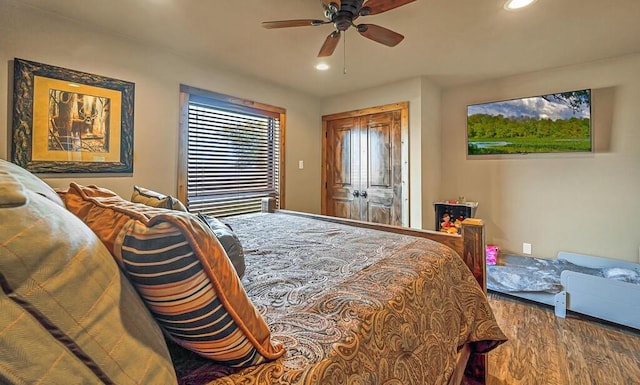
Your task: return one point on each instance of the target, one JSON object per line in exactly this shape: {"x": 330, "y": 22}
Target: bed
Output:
{"x": 598, "y": 287}
{"x": 359, "y": 303}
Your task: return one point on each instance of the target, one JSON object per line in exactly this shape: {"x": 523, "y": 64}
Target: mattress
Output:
{"x": 352, "y": 305}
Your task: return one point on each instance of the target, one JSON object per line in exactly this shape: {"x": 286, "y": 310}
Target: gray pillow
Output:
{"x": 229, "y": 241}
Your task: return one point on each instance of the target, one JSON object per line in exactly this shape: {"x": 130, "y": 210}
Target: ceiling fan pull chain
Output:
{"x": 344, "y": 56}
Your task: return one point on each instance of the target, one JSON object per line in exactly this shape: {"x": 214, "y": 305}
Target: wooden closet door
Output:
{"x": 381, "y": 186}
{"x": 343, "y": 168}
{"x": 363, "y": 168}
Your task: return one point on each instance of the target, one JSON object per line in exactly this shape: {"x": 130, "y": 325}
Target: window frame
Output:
{"x": 233, "y": 104}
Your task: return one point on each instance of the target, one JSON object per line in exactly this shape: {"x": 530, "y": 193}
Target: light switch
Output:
{"x": 300, "y": 164}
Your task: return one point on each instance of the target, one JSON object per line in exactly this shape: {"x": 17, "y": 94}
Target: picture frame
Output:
{"x": 67, "y": 121}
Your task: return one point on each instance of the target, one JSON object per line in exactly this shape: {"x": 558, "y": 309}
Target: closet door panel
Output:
{"x": 343, "y": 168}
{"x": 383, "y": 181}
{"x": 378, "y": 142}
{"x": 379, "y": 214}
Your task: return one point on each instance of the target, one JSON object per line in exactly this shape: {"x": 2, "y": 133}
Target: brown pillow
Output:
{"x": 182, "y": 273}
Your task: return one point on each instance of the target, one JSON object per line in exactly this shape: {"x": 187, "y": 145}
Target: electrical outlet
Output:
{"x": 300, "y": 164}
{"x": 526, "y": 248}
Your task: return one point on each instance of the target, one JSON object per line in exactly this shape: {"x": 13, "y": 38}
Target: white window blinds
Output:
{"x": 233, "y": 157}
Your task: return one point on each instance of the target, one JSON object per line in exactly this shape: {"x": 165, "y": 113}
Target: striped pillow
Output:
{"x": 182, "y": 273}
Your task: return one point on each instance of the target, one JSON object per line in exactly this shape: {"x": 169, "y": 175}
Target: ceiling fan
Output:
{"x": 342, "y": 17}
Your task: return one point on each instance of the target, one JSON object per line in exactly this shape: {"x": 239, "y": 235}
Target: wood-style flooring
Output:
{"x": 546, "y": 350}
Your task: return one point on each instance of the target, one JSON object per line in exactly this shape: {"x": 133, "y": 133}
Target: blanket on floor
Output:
{"x": 518, "y": 273}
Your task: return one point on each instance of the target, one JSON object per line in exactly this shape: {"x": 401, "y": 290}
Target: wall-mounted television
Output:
{"x": 553, "y": 123}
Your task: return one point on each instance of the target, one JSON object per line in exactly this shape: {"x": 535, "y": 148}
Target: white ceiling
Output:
{"x": 449, "y": 41}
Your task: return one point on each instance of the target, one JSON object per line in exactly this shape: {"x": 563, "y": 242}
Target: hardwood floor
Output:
{"x": 546, "y": 350}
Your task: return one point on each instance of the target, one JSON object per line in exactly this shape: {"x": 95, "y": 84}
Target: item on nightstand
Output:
{"x": 446, "y": 221}
{"x": 455, "y": 211}
{"x": 447, "y": 226}
{"x": 458, "y": 223}
{"x": 492, "y": 254}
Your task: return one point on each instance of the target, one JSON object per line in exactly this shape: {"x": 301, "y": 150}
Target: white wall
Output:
{"x": 430, "y": 160}
{"x": 30, "y": 34}
{"x": 580, "y": 203}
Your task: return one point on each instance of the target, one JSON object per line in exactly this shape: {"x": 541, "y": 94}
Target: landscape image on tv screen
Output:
{"x": 541, "y": 124}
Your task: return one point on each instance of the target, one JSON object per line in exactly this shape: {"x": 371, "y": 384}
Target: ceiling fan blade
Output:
{"x": 330, "y": 44}
{"x": 380, "y": 34}
{"x": 293, "y": 23}
{"x": 378, "y": 6}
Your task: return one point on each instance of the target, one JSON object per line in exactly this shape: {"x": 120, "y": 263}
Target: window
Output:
{"x": 230, "y": 153}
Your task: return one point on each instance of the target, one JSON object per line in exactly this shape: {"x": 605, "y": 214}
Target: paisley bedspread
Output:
{"x": 352, "y": 306}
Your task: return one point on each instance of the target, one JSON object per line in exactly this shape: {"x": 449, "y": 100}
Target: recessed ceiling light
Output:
{"x": 517, "y": 4}
{"x": 322, "y": 67}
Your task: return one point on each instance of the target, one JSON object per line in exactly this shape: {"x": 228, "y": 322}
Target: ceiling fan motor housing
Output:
{"x": 351, "y": 6}
{"x": 342, "y": 22}
{"x": 349, "y": 10}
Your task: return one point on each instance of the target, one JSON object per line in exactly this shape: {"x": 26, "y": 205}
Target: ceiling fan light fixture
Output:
{"x": 511, "y": 5}
{"x": 342, "y": 17}
{"x": 322, "y": 66}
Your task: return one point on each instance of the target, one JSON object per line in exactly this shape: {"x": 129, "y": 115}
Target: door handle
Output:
{"x": 355, "y": 193}
{"x": 363, "y": 194}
